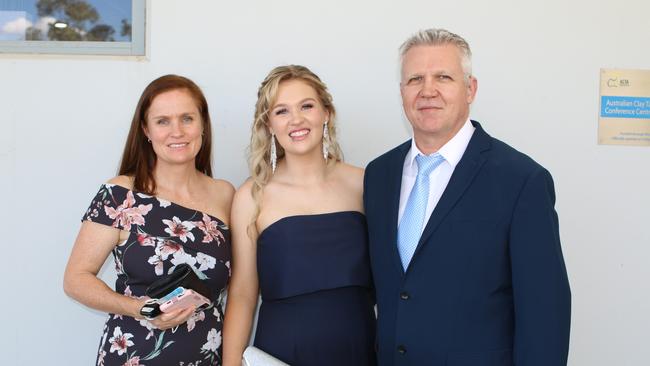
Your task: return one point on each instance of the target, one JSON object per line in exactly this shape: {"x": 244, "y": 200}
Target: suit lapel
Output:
{"x": 460, "y": 180}
{"x": 394, "y": 186}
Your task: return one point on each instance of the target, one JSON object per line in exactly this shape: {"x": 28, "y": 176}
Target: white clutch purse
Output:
{"x": 256, "y": 357}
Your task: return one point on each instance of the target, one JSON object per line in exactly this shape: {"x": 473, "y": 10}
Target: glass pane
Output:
{"x": 66, "y": 20}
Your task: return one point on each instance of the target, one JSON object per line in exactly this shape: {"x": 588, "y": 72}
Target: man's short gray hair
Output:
{"x": 440, "y": 37}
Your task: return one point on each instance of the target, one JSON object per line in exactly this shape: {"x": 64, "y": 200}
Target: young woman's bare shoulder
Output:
{"x": 351, "y": 174}
{"x": 244, "y": 192}
{"x": 243, "y": 203}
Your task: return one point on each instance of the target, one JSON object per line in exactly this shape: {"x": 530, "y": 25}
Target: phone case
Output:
{"x": 186, "y": 299}
{"x": 171, "y": 295}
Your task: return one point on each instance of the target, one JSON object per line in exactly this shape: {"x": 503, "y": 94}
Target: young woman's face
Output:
{"x": 297, "y": 118}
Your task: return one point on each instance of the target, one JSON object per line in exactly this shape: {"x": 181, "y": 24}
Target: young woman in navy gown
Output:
{"x": 299, "y": 235}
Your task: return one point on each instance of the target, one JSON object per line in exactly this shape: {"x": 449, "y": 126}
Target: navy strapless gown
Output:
{"x": 317, "y": 297}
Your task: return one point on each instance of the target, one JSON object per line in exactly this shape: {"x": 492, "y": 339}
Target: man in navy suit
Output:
{"x": 464, "y": 238}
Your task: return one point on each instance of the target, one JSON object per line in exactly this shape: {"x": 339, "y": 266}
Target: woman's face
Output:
{"x": 174, "y": 126}
{"x": 297, "y": 118}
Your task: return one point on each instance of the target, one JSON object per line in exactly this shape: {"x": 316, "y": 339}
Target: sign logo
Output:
{"x": 615, "y": 82}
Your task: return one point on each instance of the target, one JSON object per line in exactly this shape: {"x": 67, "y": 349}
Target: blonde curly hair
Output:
{"x": 259, "y": 151}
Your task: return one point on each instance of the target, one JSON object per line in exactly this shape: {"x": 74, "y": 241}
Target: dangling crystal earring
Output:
{"x": 326, "y": 141}
{"x": 274, "y": 156}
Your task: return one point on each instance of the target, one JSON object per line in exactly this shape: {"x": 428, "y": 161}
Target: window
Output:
{"x": 88, "y": 27}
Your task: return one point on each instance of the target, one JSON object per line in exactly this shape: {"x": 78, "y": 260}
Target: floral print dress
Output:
{"x": 162, "y": 236}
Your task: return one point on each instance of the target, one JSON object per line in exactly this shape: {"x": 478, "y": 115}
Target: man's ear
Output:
{"x": 472, "y": 87}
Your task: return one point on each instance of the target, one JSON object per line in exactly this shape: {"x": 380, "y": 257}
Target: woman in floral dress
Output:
{"x": 162, "y": 210}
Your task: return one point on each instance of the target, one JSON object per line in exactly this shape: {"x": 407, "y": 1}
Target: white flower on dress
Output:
{"x": 167, "y": 247}
{"x": 205, "y": 261}
{"x": 118, "y": 265}
{"x": 157, "y": 262}
{"x": 100, "y": 359}
{"x": 102, "y": 353}
{"x": 127, "y": 292}
{"x": 214, "y": 341}
{"x": 163, "y": 203}
{"x": 181, "y": 229}
{"x": 120, "y": 342}
{"x": 181, "y": 257}
{"x": 196, "y": 317}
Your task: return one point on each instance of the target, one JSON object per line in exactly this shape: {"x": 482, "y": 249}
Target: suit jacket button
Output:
{"x": 401, "y": 349}
{"x": 404, "y": 295}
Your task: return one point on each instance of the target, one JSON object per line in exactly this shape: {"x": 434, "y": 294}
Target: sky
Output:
{"x": 17, "y": 15}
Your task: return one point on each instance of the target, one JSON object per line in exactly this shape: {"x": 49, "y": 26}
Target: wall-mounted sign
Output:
{"x": 624, "y": 117}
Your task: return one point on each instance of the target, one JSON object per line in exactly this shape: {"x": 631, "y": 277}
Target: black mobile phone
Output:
{"x": 150, "y": 309}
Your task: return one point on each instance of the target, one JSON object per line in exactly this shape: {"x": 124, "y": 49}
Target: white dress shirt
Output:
{"x": 452, "y": 151}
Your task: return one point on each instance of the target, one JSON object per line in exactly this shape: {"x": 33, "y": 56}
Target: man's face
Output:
{"x": 435, "y": 95}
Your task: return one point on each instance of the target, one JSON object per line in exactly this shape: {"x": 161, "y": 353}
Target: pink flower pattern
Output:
{"x": 167, "y": 248}
{"x": 125, "y": 214}
{"x": 196, "y": 317}
{"x": 120, "y": 341}
{"x": 181, "y": 229}
{"x": 133, "y": 361}
{"x": 146, "y": 240}
{"x": 162, "y": 235}
{"x": 211, "y": 230}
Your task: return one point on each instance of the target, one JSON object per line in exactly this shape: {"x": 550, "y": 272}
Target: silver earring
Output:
{"x": 274, "y": 156}
{"x": 148, "y": 140}
{"x": 326, "y": 141}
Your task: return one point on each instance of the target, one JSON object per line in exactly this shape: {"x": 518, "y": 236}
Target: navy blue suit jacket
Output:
{"x": 487, "y": 285}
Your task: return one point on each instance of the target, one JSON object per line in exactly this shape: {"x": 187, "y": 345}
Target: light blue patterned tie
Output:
{"x": 410, "y": 228}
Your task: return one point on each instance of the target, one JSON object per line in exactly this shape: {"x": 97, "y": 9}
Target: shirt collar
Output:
{"x": 452, "y": 151}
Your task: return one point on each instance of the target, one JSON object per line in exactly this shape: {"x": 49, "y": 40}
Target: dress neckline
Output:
{"x": 145, "y": 195}
{"x": 290, "y": 217}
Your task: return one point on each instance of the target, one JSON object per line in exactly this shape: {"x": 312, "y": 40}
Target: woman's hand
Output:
{"x": 172, "y": 318}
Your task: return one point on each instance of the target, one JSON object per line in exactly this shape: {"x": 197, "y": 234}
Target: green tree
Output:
{"x": 126, "y": 28}
{"x": 100, "y": 32}
{"x": 81, "y": 19}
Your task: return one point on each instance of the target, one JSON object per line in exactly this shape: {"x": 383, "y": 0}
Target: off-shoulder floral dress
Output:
{"x": 162, "y": 235}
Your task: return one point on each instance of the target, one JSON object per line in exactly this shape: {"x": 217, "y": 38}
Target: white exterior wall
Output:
{"x": 64, "y": 120}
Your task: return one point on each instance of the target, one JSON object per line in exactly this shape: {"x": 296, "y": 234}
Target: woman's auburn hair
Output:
{"x": 139, "y": 159}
